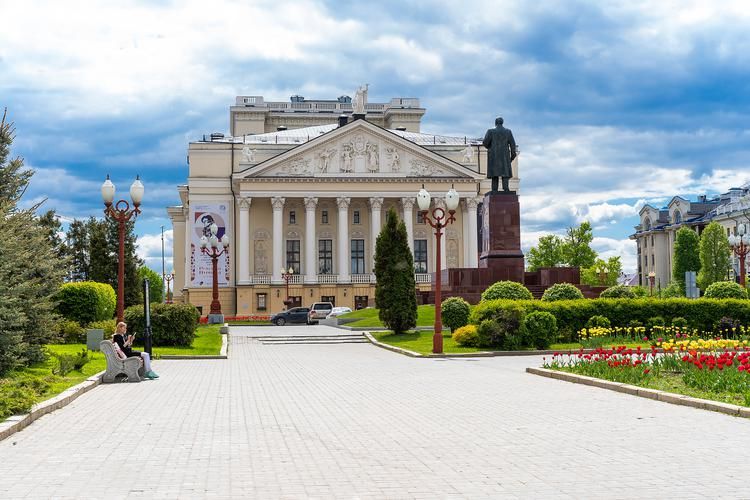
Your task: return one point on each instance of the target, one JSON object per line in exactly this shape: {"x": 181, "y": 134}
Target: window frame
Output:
{"x": 357, "y": 261}
{"x": 417, "y": 257}
{"x": 290, "y": 262}
{"x": 322, "y": 258}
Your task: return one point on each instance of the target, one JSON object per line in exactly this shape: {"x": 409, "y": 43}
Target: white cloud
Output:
{"x": 149, "y": 248}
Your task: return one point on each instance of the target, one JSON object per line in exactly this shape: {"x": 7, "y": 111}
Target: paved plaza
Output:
{"x": 357, "y": 421}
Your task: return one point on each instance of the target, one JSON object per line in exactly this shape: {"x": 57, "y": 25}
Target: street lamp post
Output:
{"x": 740, "y": 244}
{"x": 438, "y": 220}
{"x": 651, "y": 279}
{"x": 286, "y": 274}
{"x": 169, "y": 278}
{"x": 212, "y": 247}
{"x": 122, "y": 213}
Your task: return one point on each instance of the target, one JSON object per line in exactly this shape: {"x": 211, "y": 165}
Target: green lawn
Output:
{"x": 207, "y": 343}
{"x": 368, "y": 318}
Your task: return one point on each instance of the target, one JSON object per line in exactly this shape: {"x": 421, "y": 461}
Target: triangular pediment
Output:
{"x": 358, "y": 149}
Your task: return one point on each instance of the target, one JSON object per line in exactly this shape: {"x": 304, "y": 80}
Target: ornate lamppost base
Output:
{"x": 215, "y": 318}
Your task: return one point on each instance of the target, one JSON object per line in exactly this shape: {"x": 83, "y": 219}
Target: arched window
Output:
{"x": 677, "y": 217}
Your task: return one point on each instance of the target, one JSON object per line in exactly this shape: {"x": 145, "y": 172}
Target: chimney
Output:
{"x": 343, "y": 120}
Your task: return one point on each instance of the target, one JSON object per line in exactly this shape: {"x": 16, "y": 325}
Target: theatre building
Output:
{"x": 305, "y": 185}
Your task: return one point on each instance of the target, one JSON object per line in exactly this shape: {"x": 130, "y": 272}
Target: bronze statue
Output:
{"x": 501, "y": 150}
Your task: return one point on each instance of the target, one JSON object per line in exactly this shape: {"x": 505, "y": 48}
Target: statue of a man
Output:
{"x": 360, "y": 99}
{"x": 501, "y": 150}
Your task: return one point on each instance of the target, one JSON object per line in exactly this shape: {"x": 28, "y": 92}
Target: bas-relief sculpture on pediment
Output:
{"x": 360, "y": 154}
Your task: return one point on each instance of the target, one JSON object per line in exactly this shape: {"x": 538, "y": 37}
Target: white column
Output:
{"x": 244, "y": 241}
{"x": 376, "y": 204}
{"x": 343, "y": 203}
{"x": 188, "y": 245}
{"x": 465, "y": 233}
{"x": 277, "y": 202}
{"x": 408, "y": 204}
{"x": 311, "y": 267}
{"x": 471, "y": 204}
{"x": 440, "y": 203}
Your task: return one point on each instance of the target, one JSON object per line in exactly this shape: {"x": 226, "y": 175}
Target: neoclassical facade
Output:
{"x": 312, "y": 196}
{"x": 655, "y": 235}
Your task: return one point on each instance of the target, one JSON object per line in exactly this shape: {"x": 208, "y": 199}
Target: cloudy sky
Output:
{"x": 614, "y": 104}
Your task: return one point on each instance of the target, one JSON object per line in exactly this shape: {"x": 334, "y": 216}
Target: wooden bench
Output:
{"x": 132, "y": 368}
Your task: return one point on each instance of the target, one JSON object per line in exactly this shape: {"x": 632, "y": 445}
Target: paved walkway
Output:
{"x": 356, "y": 421}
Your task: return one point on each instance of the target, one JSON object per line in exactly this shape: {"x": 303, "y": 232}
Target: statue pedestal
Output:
{"x": 501, "y": 257}
{"x": 501, "y": 236}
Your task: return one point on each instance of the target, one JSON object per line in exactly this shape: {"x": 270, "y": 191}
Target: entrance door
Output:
{"x": 360, "y": 301}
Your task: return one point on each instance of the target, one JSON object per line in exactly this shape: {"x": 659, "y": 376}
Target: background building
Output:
{"x": 303, "y": 184}
{"x": 655, "y": 235}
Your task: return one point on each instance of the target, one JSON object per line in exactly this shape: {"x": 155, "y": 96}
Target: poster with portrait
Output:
{"x": 201, "y": 218}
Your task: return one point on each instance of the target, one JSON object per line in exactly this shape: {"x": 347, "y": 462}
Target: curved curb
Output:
{"x": 642, "y": 392}
{"x": 15, "y": 423}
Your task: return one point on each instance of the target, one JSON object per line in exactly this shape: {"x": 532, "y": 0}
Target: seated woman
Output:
{"x": 125, "y": 345}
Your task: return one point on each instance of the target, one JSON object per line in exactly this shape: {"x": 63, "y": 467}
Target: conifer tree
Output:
{"x": 78, "y": 249}
{"x": 395, "y": 292}
{"x": 30, "y": 268}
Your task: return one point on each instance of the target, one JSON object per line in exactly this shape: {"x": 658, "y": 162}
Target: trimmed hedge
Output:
{"x": 506, "y": 290}
{"x": 561, "y": 291}
{"x": 455, "y": 312}
{"x": 572, "y": 315}
{"x": 86, "y": 301}
{"x": 726, "y": 290}
{"x": 171, "y": 324}
{"x": 618, "y": 292}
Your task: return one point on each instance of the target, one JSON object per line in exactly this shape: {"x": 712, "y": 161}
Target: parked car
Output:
{"x": 293, "y": 315}
{"x": 318, "y": 311}
{"x": 338, "y": 311}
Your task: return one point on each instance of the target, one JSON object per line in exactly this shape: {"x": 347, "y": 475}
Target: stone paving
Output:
{"x": 357, "y": 421}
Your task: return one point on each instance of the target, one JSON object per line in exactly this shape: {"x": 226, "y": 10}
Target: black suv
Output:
{"x": 293, "y": 315}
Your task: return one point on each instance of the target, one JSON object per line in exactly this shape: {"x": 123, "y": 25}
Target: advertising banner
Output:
{"x": 201, "y": 218}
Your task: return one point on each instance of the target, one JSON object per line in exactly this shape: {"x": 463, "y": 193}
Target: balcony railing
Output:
{"x": 363, "y": 278}
{"x": 423, "y": 278}
{"x": 295, "y": 279}
{"x": 328, "y": 279}
{"x": 261, "y": 279}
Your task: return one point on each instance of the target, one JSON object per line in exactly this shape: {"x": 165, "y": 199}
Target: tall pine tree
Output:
{"x": 78, "y": 249}
{"x": 30, "y": 268}
{"x": 395, "y": 292}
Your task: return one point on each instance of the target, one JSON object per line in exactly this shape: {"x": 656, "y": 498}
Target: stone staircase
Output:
{"x": 354, "y": 338}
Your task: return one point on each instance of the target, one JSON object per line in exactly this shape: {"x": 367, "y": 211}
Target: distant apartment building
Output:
{"x": 655, "y": 235}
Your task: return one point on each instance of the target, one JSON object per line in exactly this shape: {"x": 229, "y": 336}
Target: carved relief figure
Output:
{"x": 325, "y": 159}
{"x": 248, "y": 155}
{"x": 298, "y": 166}
{"x": 261, "y": 257}
{"x": 468, "y": 153}
{"x": 423, "y": 168}
{"x": 346, "y": 160}
{"x": 395, "y": 159}
{"x": 452, "y": 257}
{"x": 373, "y": 161}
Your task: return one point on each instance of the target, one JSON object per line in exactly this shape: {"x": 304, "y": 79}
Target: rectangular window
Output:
{"x": 360, "y": 301}
{"x": 296, "y": 301}
{"x": 329, "y": 298}
{"x": 292, "y": 217}
{"x": 260, "y": 299}
{"x": 653, "y": 260}
{"x": 356, "y": 217}
{"x": 420, "y": 256}
{"x": 652, "y": 240}
{"x": 420, "y": 217}
{"x": 325, "y": 257}
{"x": 292, "y": 255}
{"x": 358, "y": 256}
{"x": 324, "y": 217}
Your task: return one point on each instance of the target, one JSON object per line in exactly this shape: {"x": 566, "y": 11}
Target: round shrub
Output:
{"x": 725, "y": 290}
{"x": 108, "y": 325}
{"x": 618, "y": 292}
{"x": 171, "y": 324}
{"x": 561, "y": 291}
{"x": 455, "y": 312}
{"x": 466, "y": 335}
{"x": 655, "y": 323}
{"x": 70, "y": 331}
{"x": 672, "y": 290}
{"x": 639, "y": 291}
{"x": 86, "y": 301}
{"x": 541, "y": 328}
{"x": 506, "y": 290}
{"x": 598, "y": 321}
{"x": 503, "y": 330}
{"x": 679, "y": 322}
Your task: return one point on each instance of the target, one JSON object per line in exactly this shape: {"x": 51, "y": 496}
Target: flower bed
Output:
{"x": 717, "y": 369}
{"x": 260, "y": 318}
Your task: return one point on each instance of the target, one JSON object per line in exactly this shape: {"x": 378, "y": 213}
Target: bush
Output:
{"x": 70, "y": 331}
{"x": 86, "y": 301}
{"x": 572, "y": 315}
{"x": 466, "y": 336}
{"x": 679, "y": 322}
{"x": 503, "y": 330}
{"x": 598, "y": 321}
{"x": 65, "y": 364}
{"x": 725, "y": 290}
{"x": 506, "y": 290}
{"x": 618, "y": 292}
{"x": 455, "y": 312}
{"x": 540, "y": 328}
{"x": 672, "y": 290}
{"x": 656, "y": 321}
{"x": 561, "y": 291}
{"x": 80, "y": 359}
{"x": 108, "y": 325}
{"x": 171, "y": 324}
{"x": 15, "y": 399}
{"x": 635, "y": 324}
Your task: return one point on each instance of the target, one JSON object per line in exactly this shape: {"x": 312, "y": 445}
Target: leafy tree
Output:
{"x": 395, "y": 292}
{"x": 155, "y": 284}
{"x": 577, "y": 251}
{"x": 602, "y": 273}
{"x": 686, "y": 255}
{"x": 547, "y": 253}
{"x": 30, "y": 268}
{"x": 714, "y": 255}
